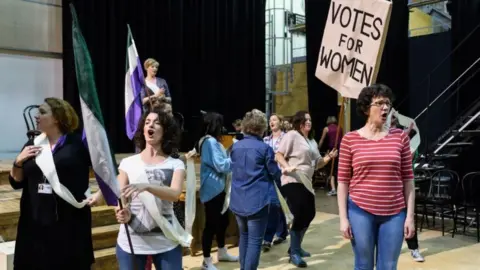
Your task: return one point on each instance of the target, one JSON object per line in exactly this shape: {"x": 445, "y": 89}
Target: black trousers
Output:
{"x": 301, "y": 203}
{"x": 215, "y": 224}
{"x": 412, "y": 243}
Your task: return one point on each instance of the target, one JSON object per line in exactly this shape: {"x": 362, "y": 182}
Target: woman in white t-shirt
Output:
{"x": 162, "y": 176}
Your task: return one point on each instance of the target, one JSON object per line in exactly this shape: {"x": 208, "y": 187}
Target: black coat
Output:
{"x": 51, "y": 233}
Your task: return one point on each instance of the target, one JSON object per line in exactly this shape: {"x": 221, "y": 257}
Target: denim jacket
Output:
{"x": 214, "y": 166}
{"x": 254, "y": 174}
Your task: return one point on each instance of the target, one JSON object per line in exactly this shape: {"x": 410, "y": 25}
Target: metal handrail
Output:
{"x": 448, "y": 87}
{"x": 428, "y": 77}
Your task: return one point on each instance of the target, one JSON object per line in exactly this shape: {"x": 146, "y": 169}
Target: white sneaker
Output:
{"x": 417, "y": 256}
{"x": 223, "y": 256}
{"x": 208, "y": 264}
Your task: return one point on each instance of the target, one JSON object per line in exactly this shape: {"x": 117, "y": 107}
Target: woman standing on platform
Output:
{"x": 157, "y": 86}
{"x": 152, "y": 180}
{"x": 53, "y": 233}
{"x": 254, "y": 175}
{"x": 214, "y": 167}
{"x": 277, "y": 230}
{"x": 296, "y": 155}
{"x": 376, "y": 202}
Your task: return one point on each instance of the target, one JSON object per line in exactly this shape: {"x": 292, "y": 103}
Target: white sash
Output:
{"x": 152, "y": 86}
{"x": 228, "y": 189}
{"x": 284, "y": 205}
{"x": 304, "y": 179}
{"x": 46, "y": 164}
{"x": 172, "y": 231}
{"x": 190, "y": 196}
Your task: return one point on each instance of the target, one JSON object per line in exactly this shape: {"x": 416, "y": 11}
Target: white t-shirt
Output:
{"x": 146, "y": 235}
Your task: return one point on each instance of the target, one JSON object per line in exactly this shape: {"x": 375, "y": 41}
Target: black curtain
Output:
{"x": 465, "y": 31}
{"x": 393, "y": 69}
{"x": 322, "y": 99}
{"x": 466, "y": 34}
{"x": 211, "y": 52}
{"x": 430, "y": 71}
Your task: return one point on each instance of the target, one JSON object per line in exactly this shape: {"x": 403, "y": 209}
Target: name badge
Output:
{"x": 44, "y": 189}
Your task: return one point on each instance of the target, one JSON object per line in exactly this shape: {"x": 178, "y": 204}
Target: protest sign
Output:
{"x": 352, "y": 44}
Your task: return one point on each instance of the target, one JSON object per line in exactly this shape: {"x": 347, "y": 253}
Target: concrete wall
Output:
{"x": 30, "y": 63}
{"x": 31, "y": 25}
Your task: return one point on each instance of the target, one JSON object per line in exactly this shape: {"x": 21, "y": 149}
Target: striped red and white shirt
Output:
{"x": 380, "y": 169}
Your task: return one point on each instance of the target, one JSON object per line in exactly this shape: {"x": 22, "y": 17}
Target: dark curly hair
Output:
{"x": 299, "y": 119}
{"x": 171, "y": 132}
{"x": 367, "y": 95}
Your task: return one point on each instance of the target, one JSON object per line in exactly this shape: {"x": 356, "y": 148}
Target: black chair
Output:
{"x": 32, "y": 132}
{"x": 471, "y": 203}
{"x": 442, "y": 196}
{"x": 423, "y": 180}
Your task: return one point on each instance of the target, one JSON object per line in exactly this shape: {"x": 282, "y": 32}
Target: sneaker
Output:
{"x": 223, "y": 256}
{"x": 278, "y": 240}
{"x": 266, "y": 246}
{"x": 208, "y": 264}
{"x": 417, "y": 256}
{"x": 332, "y": 192}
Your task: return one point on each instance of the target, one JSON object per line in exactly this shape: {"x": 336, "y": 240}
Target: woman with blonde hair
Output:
{"x": 54, "y": 230}
{"x": 277, "y": 230}
{"x": 254, "y": 174}
{"x": 156, "y": 86}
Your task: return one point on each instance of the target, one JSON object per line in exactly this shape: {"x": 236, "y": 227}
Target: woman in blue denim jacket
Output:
{"x": 214, "y": 167}
{"x": 254, "y": 173}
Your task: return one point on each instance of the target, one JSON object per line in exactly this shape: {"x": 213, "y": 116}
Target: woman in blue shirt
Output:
{"x": 214, "y": 167}
{"x": 254, "y": 173}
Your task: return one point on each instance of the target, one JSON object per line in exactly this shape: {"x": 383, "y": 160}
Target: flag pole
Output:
{"x": 120, "y": 204}
{"x": 76, "y": 33}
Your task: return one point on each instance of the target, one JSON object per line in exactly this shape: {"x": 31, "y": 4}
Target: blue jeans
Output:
{"x": 168, "y": 260}
{"x": 277, "y": 224}
{"x": 252, "y": 230}
{"x": 370, "y": 232}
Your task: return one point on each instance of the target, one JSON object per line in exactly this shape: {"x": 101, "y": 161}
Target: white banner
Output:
{"x": 352, "y": 44}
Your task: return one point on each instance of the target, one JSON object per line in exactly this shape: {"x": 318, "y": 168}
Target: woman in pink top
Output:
{"x": 296, "y": 156}
{"x": 376, "y": 202}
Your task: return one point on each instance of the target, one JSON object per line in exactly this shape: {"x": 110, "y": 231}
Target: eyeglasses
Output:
{"x": 381, "y": 103}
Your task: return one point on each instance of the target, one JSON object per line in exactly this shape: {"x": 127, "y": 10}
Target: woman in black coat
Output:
{"x": 53, "y": 233}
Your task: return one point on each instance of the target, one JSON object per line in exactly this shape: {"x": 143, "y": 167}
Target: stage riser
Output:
{"x": 101, "y": 216}
{"x": 105, "y": 260}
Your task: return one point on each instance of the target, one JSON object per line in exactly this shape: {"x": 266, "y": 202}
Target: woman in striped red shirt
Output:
{"x": 376, "y": 201}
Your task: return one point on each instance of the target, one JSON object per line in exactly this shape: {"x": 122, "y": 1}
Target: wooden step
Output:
{"x": 105, "y": 236}
{"x": 10, "y": 212}
{"x": 105, "y": 259}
